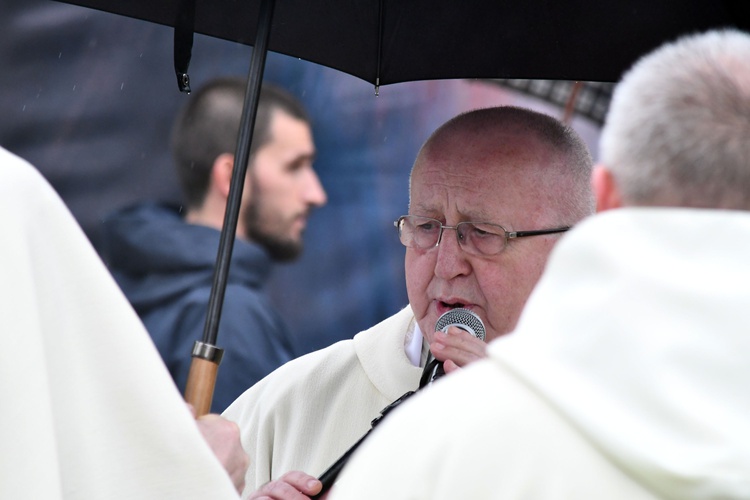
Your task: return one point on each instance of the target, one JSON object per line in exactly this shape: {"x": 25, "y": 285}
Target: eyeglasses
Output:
{"x": 476, "y": 238}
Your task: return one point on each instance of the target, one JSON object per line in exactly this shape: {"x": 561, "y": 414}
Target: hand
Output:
{"x": 457, "y": 348}
{"x": 223, "y": 436}
{"x": 293, "y": 485}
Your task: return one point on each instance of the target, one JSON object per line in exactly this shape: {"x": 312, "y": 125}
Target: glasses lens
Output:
{"x": 481, "y": 238}
{"x": 419, "y": 232}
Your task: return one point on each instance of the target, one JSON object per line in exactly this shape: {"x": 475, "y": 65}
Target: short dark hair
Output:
{"x": 208, "y": 126}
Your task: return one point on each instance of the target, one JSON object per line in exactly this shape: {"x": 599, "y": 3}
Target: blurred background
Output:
{"x": 89, "y": 98}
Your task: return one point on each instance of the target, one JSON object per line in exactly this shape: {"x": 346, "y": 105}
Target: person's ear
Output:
{"x": 605, "y": 189}
{"x": 221, "y": 173}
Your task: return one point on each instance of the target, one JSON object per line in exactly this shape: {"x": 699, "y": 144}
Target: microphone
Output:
{"x": 461, "y": 318}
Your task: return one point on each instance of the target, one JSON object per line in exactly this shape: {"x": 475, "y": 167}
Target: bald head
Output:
{"x": 528, "y": 144}
{"x": 506, "y": 168}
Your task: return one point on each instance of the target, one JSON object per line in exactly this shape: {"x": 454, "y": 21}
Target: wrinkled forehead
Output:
{"x": 479, "y": 179}
{"x": 461, "y": 150}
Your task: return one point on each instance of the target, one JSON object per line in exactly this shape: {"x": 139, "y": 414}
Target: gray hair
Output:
{"x": 678, "y": 128}
{"x": 570, "y": 177}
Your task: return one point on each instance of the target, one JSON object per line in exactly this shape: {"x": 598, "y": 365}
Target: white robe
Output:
{"x": 627, "y": 378}
{"x": 308, "y": 412}
{"x": 88, "y": 408}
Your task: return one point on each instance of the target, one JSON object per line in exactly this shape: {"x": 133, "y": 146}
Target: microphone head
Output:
{"x": 463, "y": 319}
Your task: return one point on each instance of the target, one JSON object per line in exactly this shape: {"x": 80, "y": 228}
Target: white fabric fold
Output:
{"x": 638, "y": 334}
{"x": 89, "y": 410}
{"x": 626, "y": 379}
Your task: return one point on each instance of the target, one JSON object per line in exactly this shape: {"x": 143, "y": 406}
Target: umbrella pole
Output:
{"x": 570, "y": 106}
{"x": 206, "y": 356}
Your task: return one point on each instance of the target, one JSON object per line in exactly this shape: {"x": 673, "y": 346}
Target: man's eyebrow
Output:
{"x": 481, "y": 216}
{"x": 422, "y": 209}
{"x": 303, "y": 157}
{"x": 473, "y": 216}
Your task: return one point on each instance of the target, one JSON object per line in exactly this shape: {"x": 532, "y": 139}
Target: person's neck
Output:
{"x": 203, "y": 217}
{"x": 210, "y": 214}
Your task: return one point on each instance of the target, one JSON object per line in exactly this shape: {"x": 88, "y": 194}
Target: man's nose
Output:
{"x": 314, "y": 193}
{"x": 451, "y": 259}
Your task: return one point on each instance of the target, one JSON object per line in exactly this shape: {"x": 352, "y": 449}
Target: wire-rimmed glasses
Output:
{"x": 476, "y": 238}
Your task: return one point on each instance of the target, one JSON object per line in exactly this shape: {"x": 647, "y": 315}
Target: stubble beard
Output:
{"x": 279, "y": 246}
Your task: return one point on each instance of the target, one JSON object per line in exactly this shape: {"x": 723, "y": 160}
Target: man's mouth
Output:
{"x": 451, "y": 305}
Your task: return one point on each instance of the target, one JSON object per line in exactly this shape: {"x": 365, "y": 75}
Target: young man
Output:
{"x": 164, "y": 257}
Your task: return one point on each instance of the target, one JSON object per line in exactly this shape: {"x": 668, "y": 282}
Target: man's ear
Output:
{"x": 605, "y": 189}
{"x": 221, "y": 173}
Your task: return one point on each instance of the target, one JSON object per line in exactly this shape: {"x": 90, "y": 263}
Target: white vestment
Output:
{"x": 311, "y": 410}
{"x": 88, "y": 408}
{"x": 628, "y": 377}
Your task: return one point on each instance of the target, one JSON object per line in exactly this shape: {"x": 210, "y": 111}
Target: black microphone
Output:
{"x": 461, "y": 318}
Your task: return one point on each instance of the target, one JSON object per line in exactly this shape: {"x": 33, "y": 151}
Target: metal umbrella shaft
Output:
{"x": 206, "y": 356}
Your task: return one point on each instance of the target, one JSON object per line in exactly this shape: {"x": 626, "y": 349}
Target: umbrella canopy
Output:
{"x": 391, "y": 41}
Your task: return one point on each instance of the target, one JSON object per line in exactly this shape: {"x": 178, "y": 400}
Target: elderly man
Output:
{"x": 627, "y": 377}
{"x": 491, "y": 191}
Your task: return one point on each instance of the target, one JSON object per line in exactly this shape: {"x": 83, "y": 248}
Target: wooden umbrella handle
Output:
{"x": 199, "y": 390}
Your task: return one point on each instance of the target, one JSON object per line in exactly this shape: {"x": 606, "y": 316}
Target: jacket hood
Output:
{"x": 144, "y": 243}
{"x": 638, "y": 335}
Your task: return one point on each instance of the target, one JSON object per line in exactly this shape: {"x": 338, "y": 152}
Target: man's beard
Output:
{"x": 279, "y": 247}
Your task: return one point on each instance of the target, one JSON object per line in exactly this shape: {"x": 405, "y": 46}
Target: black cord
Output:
{"x": 433, "y": 369}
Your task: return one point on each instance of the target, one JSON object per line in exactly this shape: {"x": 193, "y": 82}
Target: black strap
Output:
{"x": 184, "y": 27}
{"x": 433, "y": 369}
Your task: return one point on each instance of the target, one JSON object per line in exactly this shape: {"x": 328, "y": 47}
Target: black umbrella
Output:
{"x": 391, "y": 41}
